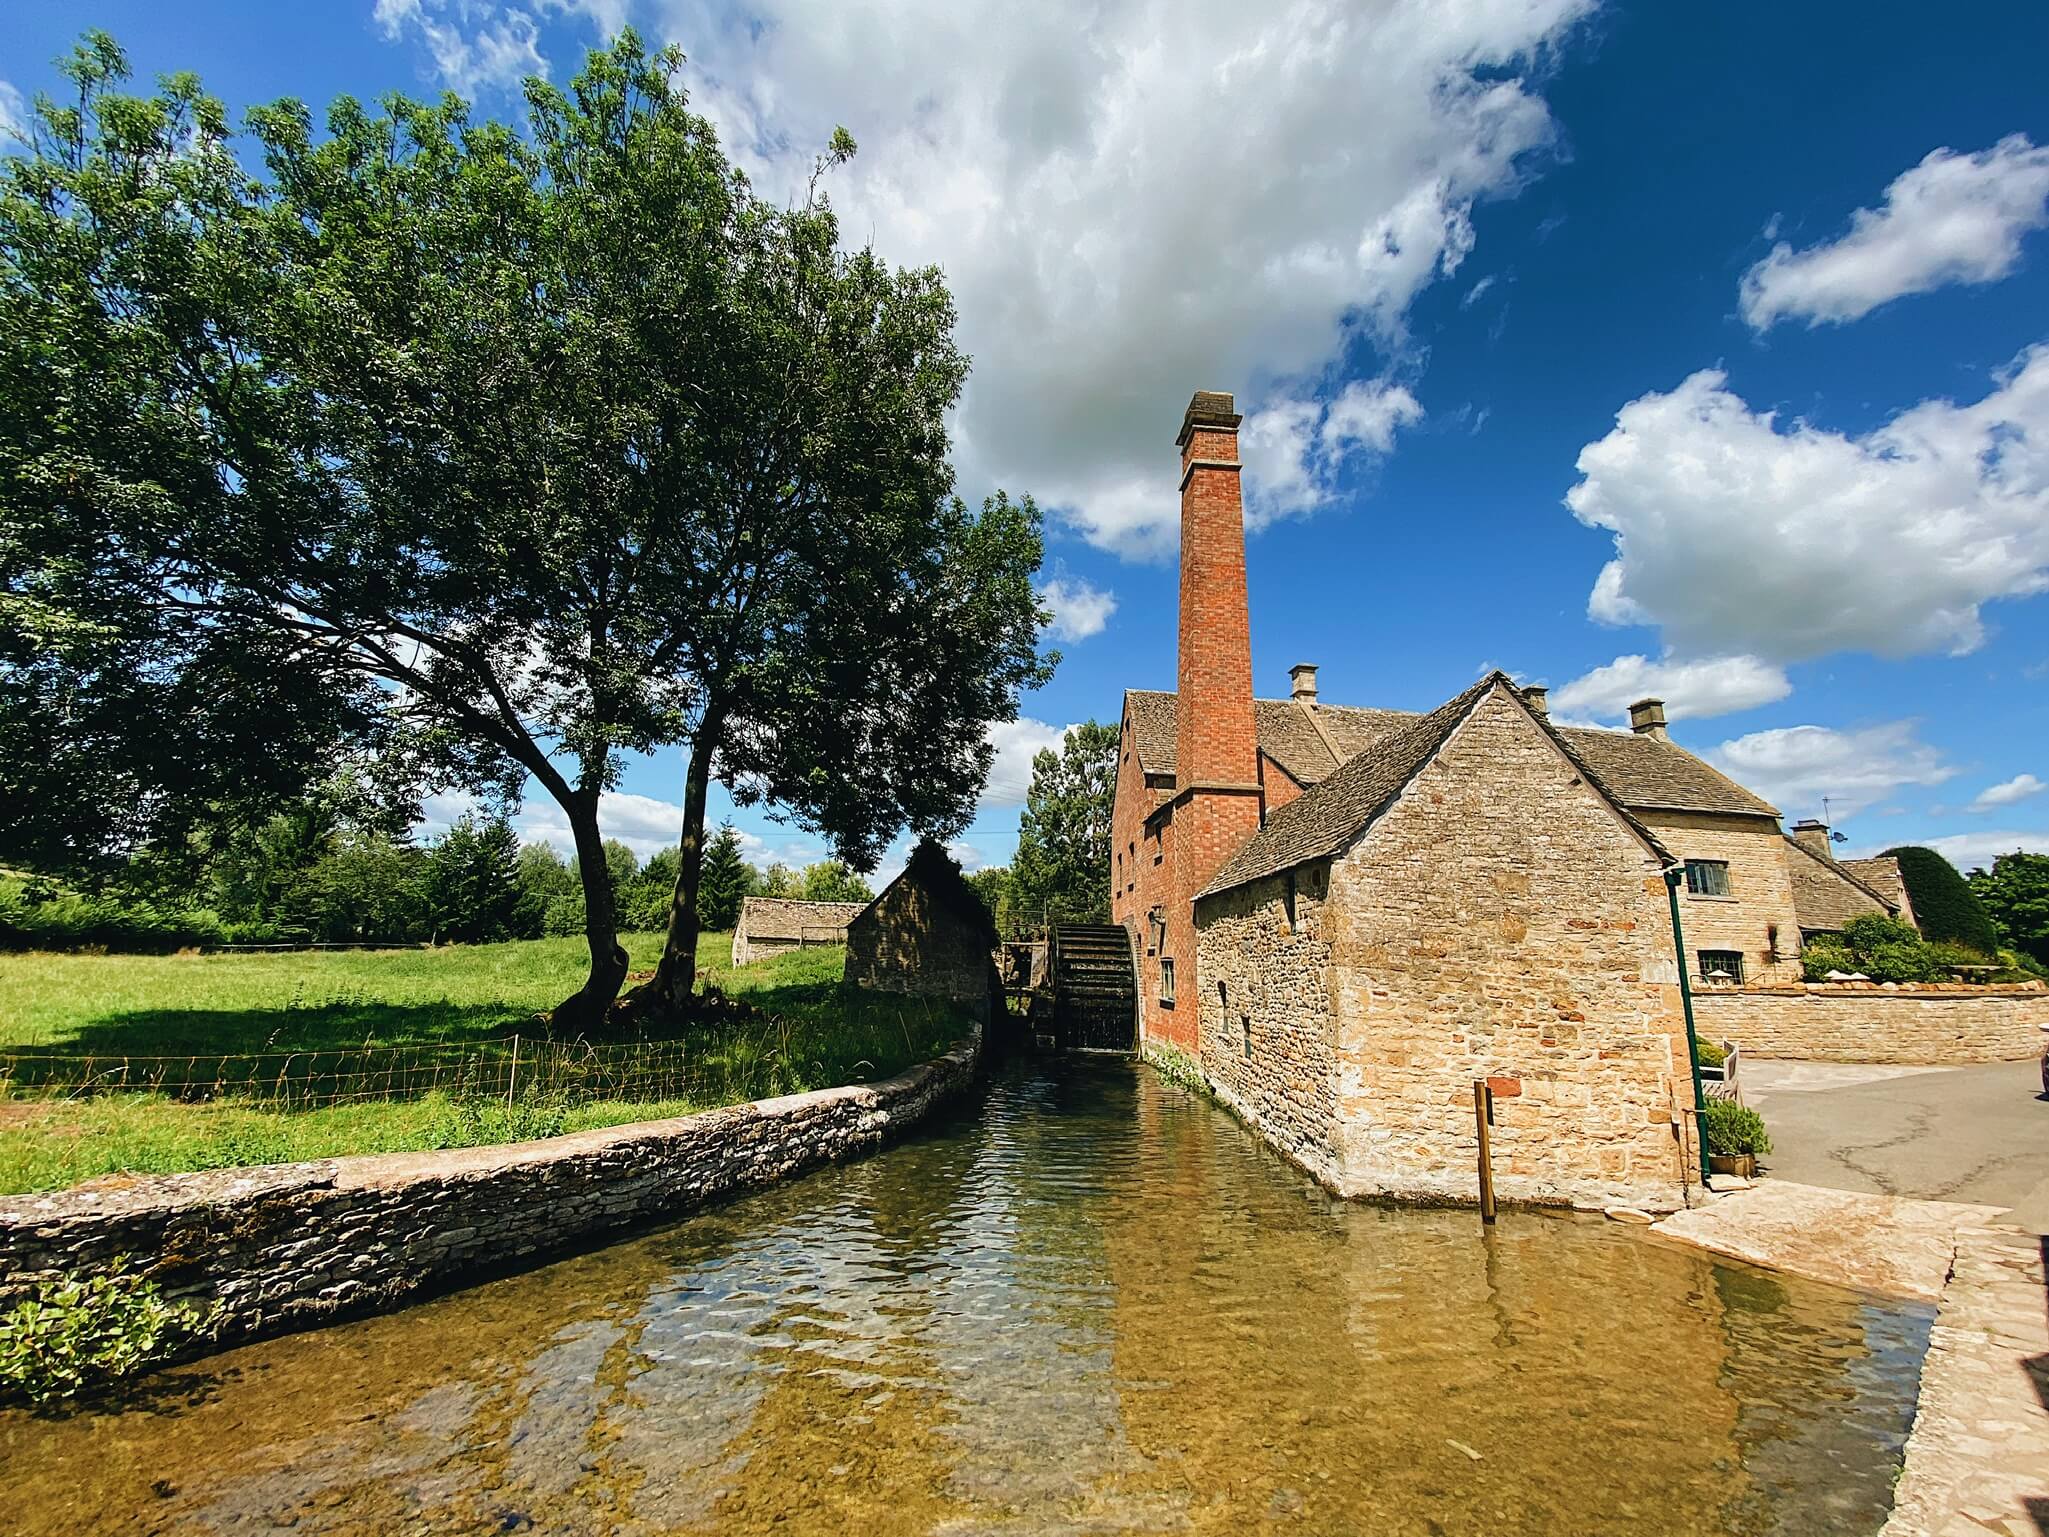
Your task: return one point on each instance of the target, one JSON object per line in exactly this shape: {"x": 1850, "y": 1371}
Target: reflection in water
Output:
{"x": 1089, "y": 1303}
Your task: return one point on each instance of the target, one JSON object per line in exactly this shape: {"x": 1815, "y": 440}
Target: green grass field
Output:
{"x": 108, "y": 1005}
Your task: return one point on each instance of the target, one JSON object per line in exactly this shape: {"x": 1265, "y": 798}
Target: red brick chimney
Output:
{"x": 1217, "y": 746}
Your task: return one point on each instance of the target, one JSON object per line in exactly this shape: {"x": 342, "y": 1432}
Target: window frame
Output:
{"x": 1694, "y": 888}
{"x": 1166, "y": 981}
{"x": 1700, "y": 961}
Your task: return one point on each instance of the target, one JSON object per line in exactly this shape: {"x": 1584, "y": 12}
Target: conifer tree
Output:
{"x": 724, "y": 883}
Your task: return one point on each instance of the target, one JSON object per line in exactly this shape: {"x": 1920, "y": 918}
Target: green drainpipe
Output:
{"x": 1672, "y": 878}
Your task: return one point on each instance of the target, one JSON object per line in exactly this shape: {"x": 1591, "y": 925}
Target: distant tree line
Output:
{"x": 311, "y": 877}
{"x": 1062, "y": 870}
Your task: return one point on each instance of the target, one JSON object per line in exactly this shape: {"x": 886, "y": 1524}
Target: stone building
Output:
{"x": 928, "y": 934}
{"x": 770, "y": 925}
{"x": 1828, "y": 892}
{"x": 1345, "y": 915}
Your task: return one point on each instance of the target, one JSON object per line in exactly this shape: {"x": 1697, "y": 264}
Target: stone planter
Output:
{"x": 1742, "y": 1165}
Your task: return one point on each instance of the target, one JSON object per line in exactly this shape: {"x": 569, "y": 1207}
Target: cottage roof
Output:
{"x": 1882, "y": 874}
{"x": 788, "y": 918}
{"x": 1325, "y": 817}
{"x": 1641, "y": 772}
{"x": 931, "y": 867}
{"x": 1827, "y": 895}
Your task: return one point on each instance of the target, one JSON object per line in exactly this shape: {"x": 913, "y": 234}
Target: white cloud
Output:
{"x": 1951, "y": 219}
{"x": 1972, "y": 851}
{"x": 967, "y": 856}
{"x": 1795, "y": 767}
{"x": 1294, "y": 448}
{"x": 1710, "y": 686}
{"x": 1132, "y": 201}
{"x": 472, "y": 43}
{"x": 13, "y": 114}
{"x": 1478, "y": 291}
{"x": 1738, "y": 537}
{"x": 1017, "y": 742}
{"x": 1079, "y": 609}
{"x": 2018, "y": 788}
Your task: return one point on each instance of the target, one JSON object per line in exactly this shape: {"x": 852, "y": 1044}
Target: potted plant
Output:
{"x": 1736, "y": 1137}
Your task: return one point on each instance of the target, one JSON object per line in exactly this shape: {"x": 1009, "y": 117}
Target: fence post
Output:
{"x": 512, "y": 1078}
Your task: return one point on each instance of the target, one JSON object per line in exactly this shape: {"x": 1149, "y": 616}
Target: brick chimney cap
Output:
{"x": 1213, "y": 410}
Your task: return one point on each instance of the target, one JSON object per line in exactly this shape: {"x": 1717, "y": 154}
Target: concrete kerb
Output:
{"x": 294, "y": 1246}
{"x": 1977, "y": 1460}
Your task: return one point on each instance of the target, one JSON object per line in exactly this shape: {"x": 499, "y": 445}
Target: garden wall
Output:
{"x": 1846, "y": 1022}
{"x": 293, "y": 1246}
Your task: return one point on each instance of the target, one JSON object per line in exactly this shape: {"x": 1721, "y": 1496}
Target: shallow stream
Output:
{"x": 1086, "y": 1302}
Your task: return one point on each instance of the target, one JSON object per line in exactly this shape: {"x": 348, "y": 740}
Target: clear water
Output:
{"x": 1089, "y": 1303}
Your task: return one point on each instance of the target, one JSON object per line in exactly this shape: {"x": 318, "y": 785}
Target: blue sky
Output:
{"x": 1630, "y": 348}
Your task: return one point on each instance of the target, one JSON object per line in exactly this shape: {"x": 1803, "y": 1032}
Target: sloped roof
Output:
{"x": 1641, "y": 772}
{"x": 1324, "y": 818}
{"x": 1882, "y": 874}
{"x": 1826, "y": 895}
{"x": 788, "y": 918}
{"x": 931, "y": 867}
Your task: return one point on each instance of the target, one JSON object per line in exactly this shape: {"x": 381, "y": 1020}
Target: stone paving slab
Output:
{"x": 1877, "y": 1243}
{"x": 1978, "y": 1459}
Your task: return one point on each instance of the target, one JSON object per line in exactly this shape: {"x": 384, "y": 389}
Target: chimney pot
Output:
{"x": 1647, "y": 718}
{"x": 1211, "y": 410}
{"x": 1812, "y": 835}
{"x": 1302, "y": 681}
{"x": 1538, "y": 698}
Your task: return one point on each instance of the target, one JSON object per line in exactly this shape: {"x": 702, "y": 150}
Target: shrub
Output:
{"x": 1944, "y": 905}
{"x": 1821, "y": 956}
{"x": 1734, "y": 1130}
{"x": 75, "y": 1336}
{"x": 1708, "y": 1054}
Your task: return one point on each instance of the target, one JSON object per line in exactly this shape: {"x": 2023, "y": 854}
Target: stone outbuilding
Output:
{"x": 928, "y": 935}
{"x": 770, "y": 925}
{"x": 1828, "y": 892}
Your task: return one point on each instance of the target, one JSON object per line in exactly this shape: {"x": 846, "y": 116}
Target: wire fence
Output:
{"x": 728, "y": 1066}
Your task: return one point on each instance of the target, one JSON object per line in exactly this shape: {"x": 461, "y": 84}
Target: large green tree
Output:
{"x": 830, "y": 880}
{"x": 1062, "y": 869}
{"x": 498, "y": 454}
{"x": 2015, "y": 892}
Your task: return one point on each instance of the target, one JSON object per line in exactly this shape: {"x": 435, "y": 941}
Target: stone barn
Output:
{"x": 770, "y": 925}
{"x": 928, "y": 934}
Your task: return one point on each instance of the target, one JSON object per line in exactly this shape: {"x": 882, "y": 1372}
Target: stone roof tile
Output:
{"x": 1324, "y": 818}
{"x": 1641, "y": 772}
{"x": 788, "y": 918}
{"x": 1827, "y": 895}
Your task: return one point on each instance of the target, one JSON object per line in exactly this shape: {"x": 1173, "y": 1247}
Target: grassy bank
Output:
{"x": 315, "y": 1001}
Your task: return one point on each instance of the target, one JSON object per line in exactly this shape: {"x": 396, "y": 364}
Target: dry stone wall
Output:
{"x": 293, "y": 1246}
{"x": 1838, "y": 1022}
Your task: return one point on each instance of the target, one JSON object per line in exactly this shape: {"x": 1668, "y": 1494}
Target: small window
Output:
{"x": 1158, "y": 941}
{"x": 1288, "y": 900}
{"x": 1166, "y": 979}
{"x": 1707, "y": 877}
{"x": 1721, "y": 965}
{"x": 1245, "y": 1034}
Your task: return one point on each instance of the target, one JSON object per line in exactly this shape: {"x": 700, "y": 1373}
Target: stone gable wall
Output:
{"x": 294, "y": 1246}
{"x": 1760, "y": 884}
{"x": 1502, "y": 922}
{"x": 1837, "y": 1022}
{"x": 907, "y": 941}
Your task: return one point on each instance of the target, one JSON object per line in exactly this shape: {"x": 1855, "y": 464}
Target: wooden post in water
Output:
{"x": 1483, "y": 1107}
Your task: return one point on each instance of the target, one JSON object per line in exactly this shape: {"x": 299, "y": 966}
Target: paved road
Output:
{"x": 1978, "y": 1134}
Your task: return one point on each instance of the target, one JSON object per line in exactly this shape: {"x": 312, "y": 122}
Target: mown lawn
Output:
{"x": 323, "y": 1001}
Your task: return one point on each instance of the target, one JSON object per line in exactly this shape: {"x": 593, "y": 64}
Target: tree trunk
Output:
{"x": 677, "y": 974}
{"x": 585, "y": 1009}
